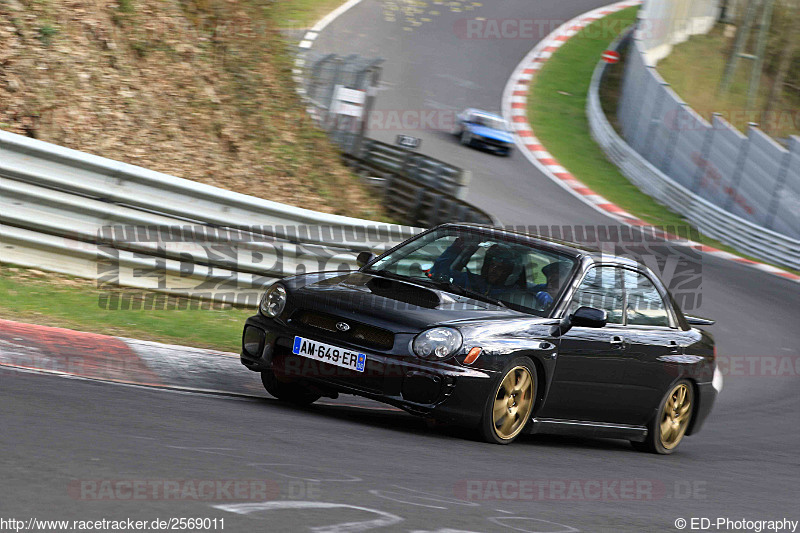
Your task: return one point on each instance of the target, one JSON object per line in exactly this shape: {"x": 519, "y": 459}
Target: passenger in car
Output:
{"x": 546, "y": 292}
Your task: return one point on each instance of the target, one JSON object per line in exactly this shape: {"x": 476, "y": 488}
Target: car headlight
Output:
{"x": 274, "y": 301}
{"x": 437, "y": 343}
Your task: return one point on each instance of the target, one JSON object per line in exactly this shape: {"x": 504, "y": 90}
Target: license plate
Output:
{"x": 327, "y": 353}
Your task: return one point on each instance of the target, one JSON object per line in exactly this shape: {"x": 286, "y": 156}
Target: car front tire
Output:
{"x": 667, "y": 429}
{"x": 466, "y": 138}
{"x": 508, "y": 409}
{"x": 291, "y": 391}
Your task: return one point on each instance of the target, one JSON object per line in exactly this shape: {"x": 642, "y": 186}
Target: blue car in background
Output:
{"x": 482, "y": 129}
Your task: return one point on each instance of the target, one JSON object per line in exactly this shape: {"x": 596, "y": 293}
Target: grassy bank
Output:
{"x": 201, "y": 89}
{"x": 56, "y": 300}
{"x": 695, "y": 69}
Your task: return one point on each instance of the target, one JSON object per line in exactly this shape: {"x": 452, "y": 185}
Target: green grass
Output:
{"x": 301, "y": 14}
{"x": 557, "y": 113}
{"x": 46, "y": 34}
{"x": 57, "y": 300}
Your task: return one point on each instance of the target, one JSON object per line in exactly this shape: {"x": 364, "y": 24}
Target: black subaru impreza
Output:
{"x": 494, "y": 329}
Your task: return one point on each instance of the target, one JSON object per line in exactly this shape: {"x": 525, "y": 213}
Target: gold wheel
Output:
{"x": 675, "y": 416}
{"x": 513, "y": 403}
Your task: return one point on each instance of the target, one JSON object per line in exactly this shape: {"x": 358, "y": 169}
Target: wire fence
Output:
{"x": 750, "y": 176}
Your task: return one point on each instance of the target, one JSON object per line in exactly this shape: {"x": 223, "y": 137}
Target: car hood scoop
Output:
{"x": 406, "y": 292}
{"x": 361, "y": 294}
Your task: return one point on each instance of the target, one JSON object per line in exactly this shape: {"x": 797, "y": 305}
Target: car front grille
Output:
{"x": 362, "y": 334}
{"x": 494, "y": 142}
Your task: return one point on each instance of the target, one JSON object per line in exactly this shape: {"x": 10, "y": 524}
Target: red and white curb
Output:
{"x": 515, "y": 103}
{"x": 78, "y": 354}
{"x": 91, "y": 356}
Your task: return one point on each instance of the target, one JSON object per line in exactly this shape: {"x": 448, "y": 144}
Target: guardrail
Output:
{"x": 66, "y": 211}
{"x": 710, "y": 219}
{"x": 421, "y": 204}
{"x": 426, "y": 170}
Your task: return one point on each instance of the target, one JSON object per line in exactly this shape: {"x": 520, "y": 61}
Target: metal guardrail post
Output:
{"x": 374, "y": 76}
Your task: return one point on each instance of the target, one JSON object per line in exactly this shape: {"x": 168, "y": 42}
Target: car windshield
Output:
{"x": 490, "y": 122}
{"x": 483, "y": 265}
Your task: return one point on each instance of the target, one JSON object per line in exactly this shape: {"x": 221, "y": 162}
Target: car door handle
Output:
{"x": 617, "y": 341}
{"x": 673, "y": 347}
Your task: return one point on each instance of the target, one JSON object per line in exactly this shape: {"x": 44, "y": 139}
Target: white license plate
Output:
{"x": 327, "y": 353}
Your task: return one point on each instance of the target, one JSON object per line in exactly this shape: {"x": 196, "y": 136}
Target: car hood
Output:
{"x": 490, "y": 133}
{"x": 392, "y": 304}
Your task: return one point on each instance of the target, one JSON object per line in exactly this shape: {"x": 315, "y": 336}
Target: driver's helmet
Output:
{"x": 506, "y": 255}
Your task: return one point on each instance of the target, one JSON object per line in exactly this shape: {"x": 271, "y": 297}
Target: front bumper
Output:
{"x": 445, "y": 391}
{"x": 488, "y": 144}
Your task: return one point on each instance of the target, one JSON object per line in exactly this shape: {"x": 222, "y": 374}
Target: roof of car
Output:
{"x": 570, "y": 248}
{"x": 486, "y": 113}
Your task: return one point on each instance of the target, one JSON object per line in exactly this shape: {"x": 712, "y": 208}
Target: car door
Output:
{"x": 654, "y": 337}
{"x": 589, "y": 382}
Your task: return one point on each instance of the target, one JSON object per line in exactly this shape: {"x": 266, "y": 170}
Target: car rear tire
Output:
{"x": 291, "y": 391}
{"x": 508, "y": 409}
{"x": 668, "y": 427}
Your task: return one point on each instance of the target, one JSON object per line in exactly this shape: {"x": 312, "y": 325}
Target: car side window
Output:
{"x": 601, "y": 288}
{"x": 644, "y": 304}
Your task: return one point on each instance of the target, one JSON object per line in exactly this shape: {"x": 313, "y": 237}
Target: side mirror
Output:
{"x": 364, "y": 257}
{"x": 589, "y": 317}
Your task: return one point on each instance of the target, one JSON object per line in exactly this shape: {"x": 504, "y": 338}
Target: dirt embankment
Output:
{"x": 200, "y": 89}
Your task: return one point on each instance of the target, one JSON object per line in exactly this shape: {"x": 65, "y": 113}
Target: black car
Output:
{"x": 495, "y": 329}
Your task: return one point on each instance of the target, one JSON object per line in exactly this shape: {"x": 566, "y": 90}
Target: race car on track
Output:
{"x": 494, "y": 329}
{"x": 482, "y": 129}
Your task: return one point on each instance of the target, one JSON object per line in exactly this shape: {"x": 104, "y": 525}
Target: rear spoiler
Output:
{"x": 697, "y": 321}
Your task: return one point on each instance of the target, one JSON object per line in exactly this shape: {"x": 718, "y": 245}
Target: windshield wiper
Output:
{"x": 463, "y": 291}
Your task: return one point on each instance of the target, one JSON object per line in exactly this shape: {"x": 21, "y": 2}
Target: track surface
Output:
{"x": 56, "y": 431}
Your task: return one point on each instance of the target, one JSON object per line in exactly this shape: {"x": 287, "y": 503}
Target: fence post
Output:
{"x": 462, "y": 179}
{"x": 337, "y": 74}
{"x": 737, "y": 175}
{"x": 705, "y": 152}
{"x": 635, "y": 134}
{"x": 655, "y": 119}
{"x": 374, "y": 71}
{"x": 783, "y": 174}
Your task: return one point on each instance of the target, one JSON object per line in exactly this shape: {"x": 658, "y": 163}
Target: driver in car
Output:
{"x": 500, "y": 272}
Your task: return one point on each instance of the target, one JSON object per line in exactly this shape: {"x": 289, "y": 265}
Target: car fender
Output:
{"x": 501, "y": 343}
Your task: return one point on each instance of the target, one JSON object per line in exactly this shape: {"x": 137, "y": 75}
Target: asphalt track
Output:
{"x": 387, "y": 471}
